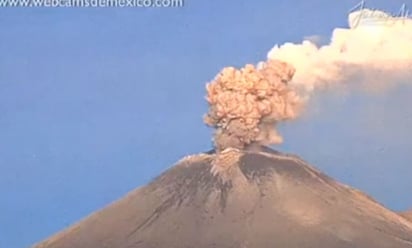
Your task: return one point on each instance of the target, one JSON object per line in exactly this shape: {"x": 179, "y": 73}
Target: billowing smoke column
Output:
{"x": 245, "y": 105}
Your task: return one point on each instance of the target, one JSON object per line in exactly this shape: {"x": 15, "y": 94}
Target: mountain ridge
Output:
{"x": 240, "y": 198}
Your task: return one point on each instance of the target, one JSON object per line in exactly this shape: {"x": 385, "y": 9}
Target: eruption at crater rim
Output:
{"x": 246, "y": 104}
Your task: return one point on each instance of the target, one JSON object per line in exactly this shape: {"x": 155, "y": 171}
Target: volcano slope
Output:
{"x": 407, "y": 215}
{"x": 255, "y": 198}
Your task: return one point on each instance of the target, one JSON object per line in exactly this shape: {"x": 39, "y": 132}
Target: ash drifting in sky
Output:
{"x": 246, "y": 104}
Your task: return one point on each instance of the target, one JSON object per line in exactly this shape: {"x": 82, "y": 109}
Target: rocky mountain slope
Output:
{"x": 255, "y": 198}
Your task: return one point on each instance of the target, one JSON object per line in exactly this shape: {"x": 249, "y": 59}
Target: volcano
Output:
{"x": 254, "y": 197}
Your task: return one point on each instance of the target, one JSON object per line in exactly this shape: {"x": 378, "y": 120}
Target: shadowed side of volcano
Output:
{"x": 254, "y": 198}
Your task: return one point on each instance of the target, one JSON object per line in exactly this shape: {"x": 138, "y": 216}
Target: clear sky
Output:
{"x": 96, "y": 102}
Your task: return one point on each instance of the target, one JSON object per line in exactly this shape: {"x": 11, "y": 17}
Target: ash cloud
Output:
{"x": 245, "y": 105}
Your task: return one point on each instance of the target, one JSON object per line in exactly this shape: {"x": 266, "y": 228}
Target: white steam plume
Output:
{"x": 376, "y": 49}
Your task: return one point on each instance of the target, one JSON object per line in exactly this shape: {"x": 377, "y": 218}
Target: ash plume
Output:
{"x": 245, "y": 105}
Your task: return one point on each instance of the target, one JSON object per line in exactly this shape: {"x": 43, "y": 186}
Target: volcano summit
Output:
{"x": 255, "y": 197}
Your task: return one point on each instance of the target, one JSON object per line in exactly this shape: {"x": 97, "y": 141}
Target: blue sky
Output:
{"x": 96, "y": 102}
